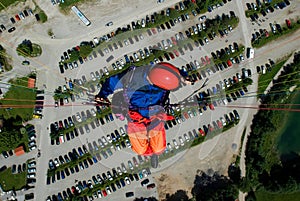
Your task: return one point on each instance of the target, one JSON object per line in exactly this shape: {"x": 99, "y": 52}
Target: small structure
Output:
{"x": 19, "y": 151}
{"x": 31, "y": 83}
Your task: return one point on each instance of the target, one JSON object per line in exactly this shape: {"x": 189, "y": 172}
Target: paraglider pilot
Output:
{"x": 140, "y": 95}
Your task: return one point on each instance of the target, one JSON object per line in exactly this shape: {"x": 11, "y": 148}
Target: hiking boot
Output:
{"x": 154, "y": 161}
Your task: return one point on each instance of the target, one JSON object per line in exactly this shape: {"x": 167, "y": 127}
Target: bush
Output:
{"x": 29, "y": 49}
{"x": 43, "y": 16}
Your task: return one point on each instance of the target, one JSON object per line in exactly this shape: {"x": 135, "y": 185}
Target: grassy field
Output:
{"x": 11, "y": 181}
{"x": 5, "y": 3}
{"x": 266, "y": 196}
{"x": 19, "y": 100}
{"x": 265, "y": 79}
{"x": 66, "y": 6}
{"x": 4, "y": 59}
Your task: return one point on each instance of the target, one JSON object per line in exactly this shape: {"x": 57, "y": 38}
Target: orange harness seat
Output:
{"x": 147, "y": 136}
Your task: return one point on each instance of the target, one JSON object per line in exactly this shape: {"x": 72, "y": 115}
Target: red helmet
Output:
{"x": 165, "y": 76}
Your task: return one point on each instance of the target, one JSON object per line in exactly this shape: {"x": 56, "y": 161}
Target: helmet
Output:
{"x": 165, "y": 76}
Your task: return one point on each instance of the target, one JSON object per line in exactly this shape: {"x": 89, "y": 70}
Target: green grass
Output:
{"x": 262, "y": 195}
{"x": 36, "y": 50}
{"x": 10, "y": 141}
{"x": 11, "y": 181}
{"x": 4, "y": 58}
{"x": 66, "y": 6}
{"x": 285, "y": 31}
{"x": 265, "y": 79}
{"x": 42, "y": 14}
{"x": 19, "y": 100}
{"x": 5, "y": 3}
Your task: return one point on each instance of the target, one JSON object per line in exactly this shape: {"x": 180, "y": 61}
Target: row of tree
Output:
{"x": 264, "y": 166}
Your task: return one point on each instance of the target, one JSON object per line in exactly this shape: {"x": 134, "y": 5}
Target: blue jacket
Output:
{"x": 137, "y": 90}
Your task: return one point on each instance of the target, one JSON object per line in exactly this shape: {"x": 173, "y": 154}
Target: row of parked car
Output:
{"x": 275, "y": 29}
{"x": 198, "y": 28}
{"x": 268, "y": 8}
{"x": 119, "y": 181}
{"x": 31, "y": 172}
{"x": 39, "y": 106}
{"x": 210, "y": 99}
{"x": 143, "y": 22}
{"x": 31, "y": 137}
{"x": 191, "y": 135}
{"x": 94, "y": 149}
{"x": 58, "y": 126}
{"x": 262, "y": 69}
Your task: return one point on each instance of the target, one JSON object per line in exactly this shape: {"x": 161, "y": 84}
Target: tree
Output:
{"x": 25, "y": 48}
{"x": 250, "y": 196}
{"x": 216, "y": 187}
{"x": 180, "y": 195}
{"x": 29, "y": 49}
{"x": 85, "y": 50}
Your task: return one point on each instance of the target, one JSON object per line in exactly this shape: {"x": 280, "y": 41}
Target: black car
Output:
{"x": 232, "y": 118}
{"x": 86, "y": 165}
{"x": 48, "y": 180}
{"x": 19, "y": 168}
{"x": 25, "y": 13}
{"x": 144, "y": 182}
{"x": 227, "y": 118}
{"x": 12, "y": 20}
{"x": 29, "y": 196}
{"x": 13, "y": 169}
{"x": 237, "y": 116}
{"x": 129, "y": 194}
{"x": 113, "y": 187}
{"x": 118, "y": 184}
{"x": 4, "y": 153}
{"x": 37, "y": 17}
{"x": 136, "y": 177}
{"x": 3, "y": 27}
{"x": 67, "y": 171}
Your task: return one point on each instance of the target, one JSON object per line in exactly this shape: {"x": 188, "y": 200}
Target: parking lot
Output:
{"x": 104, "y": 148}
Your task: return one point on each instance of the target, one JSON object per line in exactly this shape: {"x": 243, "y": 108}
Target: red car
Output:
{"x": 203, "y": 61}
{"x": 174, "y": 40}
{"x": 185, "y": 114}
{"x": 219, "y": 124}
{"x": 207, "y": 59}
{"x": 229, "y": 63}
{"x": 266, "y": 33}
{"x": 154, "y": 30}
{"x": 210, "y": 128}
{"x": 172, "y": 55}
{"x": 104, "y": 193}
{"x": 201, "y": 132}
{"x": 176, "y": 53}
{"x": 288, "y": 23}
{"x": 211, "y": 106}
{"x": 73, "y": 189}
{"x": 151, "y": 186}
{"x": 17, "y": 17}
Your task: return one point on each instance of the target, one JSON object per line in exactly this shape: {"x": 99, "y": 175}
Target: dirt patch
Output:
{"x": 164, "y": 186}
{"x": 213, "y": 155}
